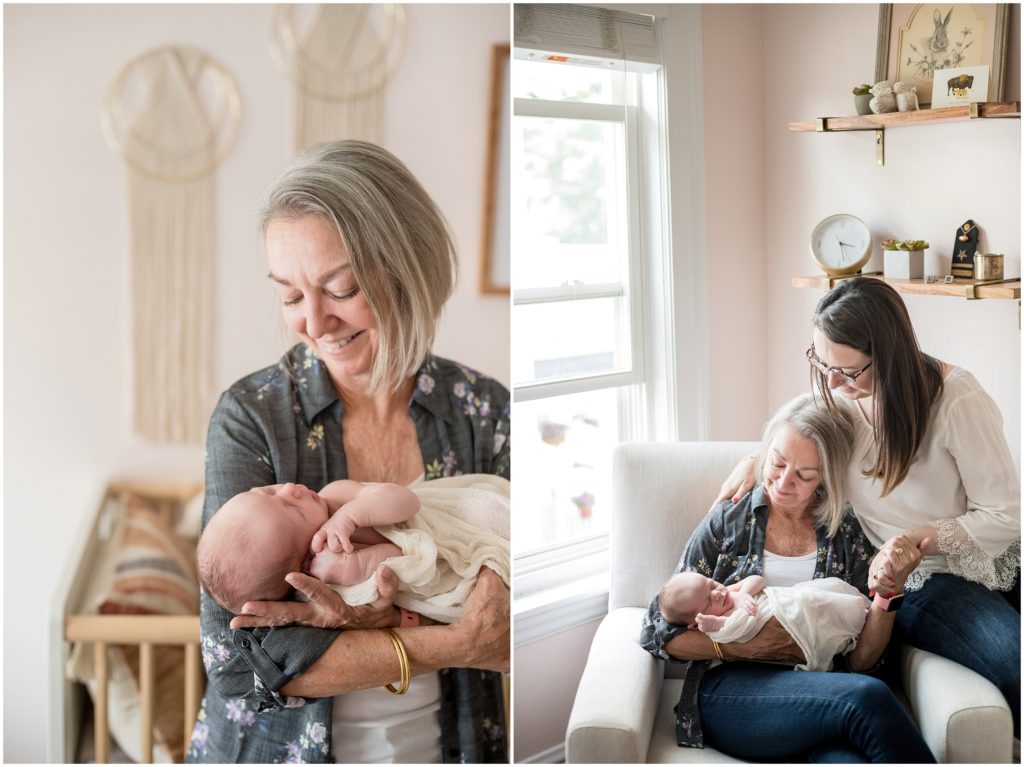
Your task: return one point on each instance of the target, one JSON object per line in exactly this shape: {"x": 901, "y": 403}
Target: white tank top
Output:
{"x": 786, "y": 571}
{"x": 375, "y": 727}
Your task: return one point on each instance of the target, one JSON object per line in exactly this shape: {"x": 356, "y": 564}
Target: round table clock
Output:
{"x": 841, "y": 244}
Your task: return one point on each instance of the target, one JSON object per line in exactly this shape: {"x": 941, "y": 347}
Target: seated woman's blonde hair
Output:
{"x": 398, "y": 243}
{"x": 832, "y": 434}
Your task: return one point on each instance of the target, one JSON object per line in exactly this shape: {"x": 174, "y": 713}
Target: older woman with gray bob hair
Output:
{"x": 793, "y": 526}
{"x": 363, "y": 264}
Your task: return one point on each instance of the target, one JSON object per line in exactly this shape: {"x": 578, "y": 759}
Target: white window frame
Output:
{"x": 647, "y": 409}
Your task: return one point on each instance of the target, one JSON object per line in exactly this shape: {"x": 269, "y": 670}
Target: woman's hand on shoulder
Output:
{"x": 326, "y": 608}
{"x": 739, "y": 482}
{"x": 485, "y": 627}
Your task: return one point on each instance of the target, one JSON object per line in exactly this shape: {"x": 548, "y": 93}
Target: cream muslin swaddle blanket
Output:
{"x": 824, "y": 616}
{"x": 462, "y": 525}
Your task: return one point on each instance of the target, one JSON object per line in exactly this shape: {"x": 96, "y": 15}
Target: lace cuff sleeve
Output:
{"x": 968, "y": 560}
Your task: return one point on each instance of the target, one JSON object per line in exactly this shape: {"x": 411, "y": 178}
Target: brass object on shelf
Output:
{"x": 988, "y": 266}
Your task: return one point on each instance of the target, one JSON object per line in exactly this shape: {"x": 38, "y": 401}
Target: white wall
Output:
{"x": 66, "y": 302}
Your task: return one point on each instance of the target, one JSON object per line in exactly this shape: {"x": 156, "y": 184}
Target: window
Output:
{"x": 589, "y": 243}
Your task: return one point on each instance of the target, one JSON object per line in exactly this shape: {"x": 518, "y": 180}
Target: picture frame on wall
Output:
{"x": 915, "y": 40}
{"x": 495, "y": 266}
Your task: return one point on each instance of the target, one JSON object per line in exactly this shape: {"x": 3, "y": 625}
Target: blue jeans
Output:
{"x": 969, "y": 624}
{"x": 768, "y": 713}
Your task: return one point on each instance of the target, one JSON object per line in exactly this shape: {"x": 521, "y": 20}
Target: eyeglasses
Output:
{"x": 825, "y": 370}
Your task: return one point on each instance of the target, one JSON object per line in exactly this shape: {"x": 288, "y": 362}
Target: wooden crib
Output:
{"x": 148, "y": 651}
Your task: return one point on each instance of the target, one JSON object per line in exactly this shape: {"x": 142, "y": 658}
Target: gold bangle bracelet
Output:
{"x": 403, "y": 662}
{"x": 718, "y": 650}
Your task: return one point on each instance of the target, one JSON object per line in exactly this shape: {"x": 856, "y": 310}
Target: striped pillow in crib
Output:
{"x": 153, "y": 574}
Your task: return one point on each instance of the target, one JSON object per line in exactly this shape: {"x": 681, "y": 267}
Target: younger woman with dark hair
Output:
{"x": 930, "y": 466}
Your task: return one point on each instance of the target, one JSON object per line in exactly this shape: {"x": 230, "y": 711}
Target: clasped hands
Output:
{"x": 894, "y": 562}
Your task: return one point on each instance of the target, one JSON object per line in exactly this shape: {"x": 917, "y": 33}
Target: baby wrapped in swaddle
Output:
{"x": 462, "y": 525}
{"x": 435, "y": 536}
{"x": 824, "y": 616}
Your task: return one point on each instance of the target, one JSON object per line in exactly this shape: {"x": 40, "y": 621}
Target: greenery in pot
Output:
{"x": 904, "y": 245}
{"x": 861, "y": 90}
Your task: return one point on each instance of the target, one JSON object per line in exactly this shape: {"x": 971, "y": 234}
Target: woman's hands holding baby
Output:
{"x": 325, "y": 608}
{"x": 484, "y": 630}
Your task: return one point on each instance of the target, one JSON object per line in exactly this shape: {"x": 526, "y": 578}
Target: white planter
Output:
{"x": 904, "y": 264}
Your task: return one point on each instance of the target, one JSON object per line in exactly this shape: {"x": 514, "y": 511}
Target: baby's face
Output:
{"x": 704, "y": 595}
{"x": 288, "y": 514}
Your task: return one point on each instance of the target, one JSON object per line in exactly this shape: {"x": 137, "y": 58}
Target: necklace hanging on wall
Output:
{"x": 339, "y": 58}
{"x": 171, "y": 114}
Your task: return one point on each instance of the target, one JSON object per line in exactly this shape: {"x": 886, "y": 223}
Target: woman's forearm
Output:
{"x": 364, "y": 658}
{"x": 873, "y": 639}
{"x": 357, "y": 660}
{"x": 691, "y": 645}
{"x": 772, "y": 643}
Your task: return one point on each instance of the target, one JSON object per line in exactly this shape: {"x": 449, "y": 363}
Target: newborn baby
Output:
{"x": 435, "y": 535}
{"x": 824, "y": 616}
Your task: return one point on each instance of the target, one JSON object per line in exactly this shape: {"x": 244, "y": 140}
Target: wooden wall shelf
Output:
{"x": 878, "y": 123}
{"x": 961, "y": 288}
{"x": 987, "y": 109}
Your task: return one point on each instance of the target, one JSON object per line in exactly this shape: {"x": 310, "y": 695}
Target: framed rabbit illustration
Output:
{"x": 916, "y": 40}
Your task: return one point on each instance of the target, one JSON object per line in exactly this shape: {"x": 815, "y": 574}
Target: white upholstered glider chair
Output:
{"x": 623, "y": 710}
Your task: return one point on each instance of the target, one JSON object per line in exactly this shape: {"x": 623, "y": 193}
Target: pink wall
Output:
{"x": 737, "y": 265}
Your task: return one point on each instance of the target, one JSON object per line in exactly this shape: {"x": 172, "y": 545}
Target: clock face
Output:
{"x": 841, "y": 244}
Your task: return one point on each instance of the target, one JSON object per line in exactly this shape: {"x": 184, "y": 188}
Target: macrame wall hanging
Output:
{"x": 339, "y": 58}
{"x": 172, "y": 115}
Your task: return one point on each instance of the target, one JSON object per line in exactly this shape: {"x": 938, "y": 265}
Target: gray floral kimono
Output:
{"x": 727, "y": 546}
{"x": 283, "y": 424}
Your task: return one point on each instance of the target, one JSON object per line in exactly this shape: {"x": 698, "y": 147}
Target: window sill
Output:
{"x": 560, "y": 608}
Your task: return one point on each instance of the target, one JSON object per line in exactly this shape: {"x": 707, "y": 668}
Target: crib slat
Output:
{"x": 114, "y": 629}
{"x": 146, "y": 694}
{"x": 192, "y": 683}
{"x": 102, "y": 739}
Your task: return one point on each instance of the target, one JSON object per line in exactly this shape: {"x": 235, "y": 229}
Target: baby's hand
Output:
{"x": 335, "y": 534}
{"x": 709, "y": 623}
{"x": 745, "y": 602}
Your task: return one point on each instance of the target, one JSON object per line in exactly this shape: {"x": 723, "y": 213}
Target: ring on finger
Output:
{"x": 898, "y": 550}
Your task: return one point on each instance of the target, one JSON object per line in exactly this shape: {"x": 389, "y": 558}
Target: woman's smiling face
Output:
{"x": 320, "y": 299}
{"x": 791, "y": 470}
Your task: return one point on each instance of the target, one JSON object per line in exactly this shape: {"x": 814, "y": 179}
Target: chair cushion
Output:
{"x": 663, "y": 748}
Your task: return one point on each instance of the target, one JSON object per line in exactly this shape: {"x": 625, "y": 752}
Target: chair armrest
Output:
{"x": 962, "y": 716}
{"x": 617, "y": 699}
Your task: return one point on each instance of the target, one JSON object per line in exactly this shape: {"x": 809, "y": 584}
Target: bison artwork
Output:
{"x": 961, "y": 84}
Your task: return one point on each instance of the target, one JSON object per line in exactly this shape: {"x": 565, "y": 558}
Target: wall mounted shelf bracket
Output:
{"x": 822, "y": 127}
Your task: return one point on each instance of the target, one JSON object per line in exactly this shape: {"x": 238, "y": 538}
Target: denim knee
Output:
{"x": 866, "y": 693}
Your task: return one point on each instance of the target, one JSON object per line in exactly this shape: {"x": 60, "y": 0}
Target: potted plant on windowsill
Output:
{"x": 904, "y": 259}
{"x": 862, "y": 98}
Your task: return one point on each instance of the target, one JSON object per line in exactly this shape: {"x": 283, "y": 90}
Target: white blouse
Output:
{"x": 962, "y": 481}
